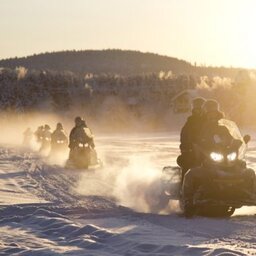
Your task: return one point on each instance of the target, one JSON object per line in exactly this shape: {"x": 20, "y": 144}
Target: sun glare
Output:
{"x": 244, "y": 30}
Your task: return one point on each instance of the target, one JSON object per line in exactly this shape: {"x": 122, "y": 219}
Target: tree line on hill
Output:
{"x": 120, "y": 101}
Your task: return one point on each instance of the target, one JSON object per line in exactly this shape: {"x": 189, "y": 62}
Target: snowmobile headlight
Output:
{"x": 217, "y": 157}
{"x": 232, "y": 156}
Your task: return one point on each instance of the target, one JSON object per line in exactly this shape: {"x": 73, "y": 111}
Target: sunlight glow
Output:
{"x": 218, "y": 33}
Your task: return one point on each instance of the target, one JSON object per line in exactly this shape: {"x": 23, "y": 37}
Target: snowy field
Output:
{"x": 49, "y": 210}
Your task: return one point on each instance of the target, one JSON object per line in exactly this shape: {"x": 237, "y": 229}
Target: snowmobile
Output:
{"x": 59, "y": 146}
{"x": 224, "y": 182}
{"x": 45, "y": 144}
{"x": 59, "y": 152}
{"x": 83, "y": 157}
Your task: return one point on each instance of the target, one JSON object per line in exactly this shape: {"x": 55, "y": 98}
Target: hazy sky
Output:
{"x": 211, "y": 32}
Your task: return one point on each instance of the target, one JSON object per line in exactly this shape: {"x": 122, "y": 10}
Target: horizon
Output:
{"x": 207, "y": 33}
{"x": 161, "y": 55}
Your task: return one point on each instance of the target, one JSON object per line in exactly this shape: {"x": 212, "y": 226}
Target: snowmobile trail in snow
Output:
{"x": 50, "y": 210}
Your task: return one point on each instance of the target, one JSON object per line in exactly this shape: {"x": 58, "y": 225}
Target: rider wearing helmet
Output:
{"x": 72, "y": 138}
{"x": 59, "y": 137}
{"x": 196, "y": 175}
{"x": 82, "y": 153}
{"x": 211, "y": 130}
{"x": 46, "y": 138}
{"x": 80, "y": 135}
{"x": 78, "y": 120}
{"x": 211, "y": 110}
{"x": 39, "y": 134}
{"x": 213, "y": 135}
{"x": 47, "y": 132}
{"x": 190, "y": 134}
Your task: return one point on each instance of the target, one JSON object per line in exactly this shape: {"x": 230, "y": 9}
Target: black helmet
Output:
{"x": 211, "y": 110}
{"x": 78, "y": 120}
{"x": 47, "y": 127}
{"x": 59, "y": 126}
{"x": 211, "y": 106}
{"x": 198, "y": 102}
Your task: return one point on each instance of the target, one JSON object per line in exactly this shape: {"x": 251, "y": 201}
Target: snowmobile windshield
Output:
{"x": 236, "y": 134}
{"x": 88, "y": 132}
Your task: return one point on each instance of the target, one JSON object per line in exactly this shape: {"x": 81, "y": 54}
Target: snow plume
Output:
{"x": 135, "y": 185}
{"x": 13, "y": 126}
{"x": 59, "y": 158}
{"x": 135, "y": 182}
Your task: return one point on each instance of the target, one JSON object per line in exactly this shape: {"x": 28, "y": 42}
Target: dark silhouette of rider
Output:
{"x": 39, "y": 134}
{"x": 190, "y": 134}
{"x": 212, "y": 135}
{"x": 46, "y": 138}
{"x": 211, "y": 132}
{"x": 80, "y": 134}
{"x": 58, "y": 136}
{"x": 73, "y": 141}
{"x": 196, "y": 175}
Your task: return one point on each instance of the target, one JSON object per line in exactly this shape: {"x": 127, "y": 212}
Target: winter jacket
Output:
{"x": 59, "y": 135}
{"x": 190, "y": 132}
{"x": 80, "y": 134}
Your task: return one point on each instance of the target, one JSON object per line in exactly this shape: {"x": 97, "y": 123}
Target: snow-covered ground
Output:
{"x": 49, "y": 210}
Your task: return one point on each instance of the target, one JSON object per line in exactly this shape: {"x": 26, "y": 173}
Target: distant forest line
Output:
{"x": 122, "y": 102}
{"x": 121, "y": 62}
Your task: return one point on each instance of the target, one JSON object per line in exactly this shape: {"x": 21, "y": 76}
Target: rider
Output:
{"x": 73, "y": 142}
{"x": 57, "y": 136}
{"x": 211, "y": 130}
{"x": 189, "y": 135}
{"x": 80, "y": 134}
{"x": 46, "y": 137}
{"x": 211, "y": 134}
{"x": 39, "y": 133}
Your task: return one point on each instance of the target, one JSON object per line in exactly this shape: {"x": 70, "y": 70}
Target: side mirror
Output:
{"x": 247, "y": 138}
